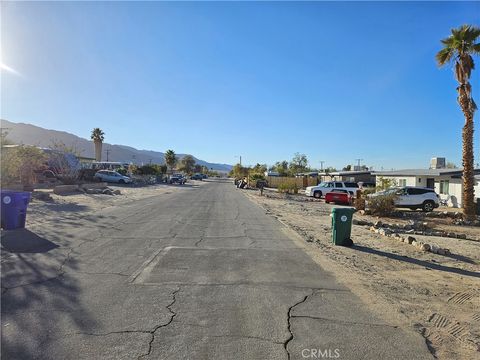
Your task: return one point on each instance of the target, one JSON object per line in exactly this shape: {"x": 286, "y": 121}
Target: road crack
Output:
{"x": 152, "y": 332}
{"x": 289, "y": 317}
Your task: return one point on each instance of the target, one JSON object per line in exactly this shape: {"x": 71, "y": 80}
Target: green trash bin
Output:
{"x": 342, "y": 226}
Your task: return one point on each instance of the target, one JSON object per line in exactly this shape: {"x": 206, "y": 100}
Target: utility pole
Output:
{"x": 358, "y": 162}
{"x": 150, "y": 161}
{"x": 240, "y": 156}
{"x": 107, "y": 151}
{"x": 321, "y": 165}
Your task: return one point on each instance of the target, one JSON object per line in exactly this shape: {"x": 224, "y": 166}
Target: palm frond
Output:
{"x": 476, "y": 49}
{"x": 444, "y": 56}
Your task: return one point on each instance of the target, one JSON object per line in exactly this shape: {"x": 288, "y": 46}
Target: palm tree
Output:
{"x": 98, "y": 137}
{"x": 458, "y": 50}
{"x": 170, "y": 159}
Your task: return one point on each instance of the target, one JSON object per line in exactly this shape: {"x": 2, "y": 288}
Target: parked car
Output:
{"x": 412, "y": 197}
{"x": 339, "y": 196}
{"x": 325, "y": 187}
{"x": 112, "y": 176}
{"x": 177, "y": 179}
{"x": 197, "y": 177}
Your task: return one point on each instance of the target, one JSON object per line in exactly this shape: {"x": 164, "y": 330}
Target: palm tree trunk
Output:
{"x": 98, "y": 150}
{"x": 467, "y": 155}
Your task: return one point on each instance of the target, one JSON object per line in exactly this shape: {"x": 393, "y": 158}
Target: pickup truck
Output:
{"x": 325, "y": 187}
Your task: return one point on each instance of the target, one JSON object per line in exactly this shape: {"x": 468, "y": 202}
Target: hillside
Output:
{"x": 28, "y": 134}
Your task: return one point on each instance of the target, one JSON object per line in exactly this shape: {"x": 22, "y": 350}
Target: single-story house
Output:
{"x": 446, "y": 182}
{"x": 351, "y": 176}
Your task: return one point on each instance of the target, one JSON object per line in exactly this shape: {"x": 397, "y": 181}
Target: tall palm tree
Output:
{"x": 98, "y": 137}
{"x": 170, "y": 159}
{"x": 458, "y": 49}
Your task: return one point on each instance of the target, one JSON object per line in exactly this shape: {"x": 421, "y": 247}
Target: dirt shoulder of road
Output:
{"x": 80, "y": 205}
{"x": 436, "y": 295}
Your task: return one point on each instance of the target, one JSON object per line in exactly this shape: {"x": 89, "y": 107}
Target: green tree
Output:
{"x": 281, "y": 167}
{"x": 239, "y": 171}
{"x": 171, "y": 159}
{"x": 98, "y": 136}
{"x": 451, "y": 165}
{"x": 298, "y": 164}
{"x": 187, "y": 164}
{"x": 458, "y": 49}
{"x": 347, "y": 168}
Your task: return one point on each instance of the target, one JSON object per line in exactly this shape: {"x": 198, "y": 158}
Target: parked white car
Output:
{"x": 112, "y": 176}
{"x": 412, "y": 197}
{"x": 326, "y": 187}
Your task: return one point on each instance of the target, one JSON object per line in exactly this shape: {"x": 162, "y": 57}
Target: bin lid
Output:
{"x": 343, "y": 209}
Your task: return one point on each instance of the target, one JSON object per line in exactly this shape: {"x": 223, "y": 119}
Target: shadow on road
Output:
{"x": 25, "y": 241}
{"x": 38, "y": 297}
{"x": 422, "y": 263}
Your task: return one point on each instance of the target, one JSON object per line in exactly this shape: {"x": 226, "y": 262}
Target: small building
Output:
{"x": 447, "y": 183}
{"x": 364, "y": 176}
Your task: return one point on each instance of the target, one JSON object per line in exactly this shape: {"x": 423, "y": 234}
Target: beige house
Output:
{"x": 446, "y": 182}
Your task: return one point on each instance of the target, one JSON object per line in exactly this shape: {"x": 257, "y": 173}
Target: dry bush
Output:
{"x": 382, "y": 205}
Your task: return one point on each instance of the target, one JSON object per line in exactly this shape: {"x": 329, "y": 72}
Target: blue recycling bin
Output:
{"x": 14, "y": 208}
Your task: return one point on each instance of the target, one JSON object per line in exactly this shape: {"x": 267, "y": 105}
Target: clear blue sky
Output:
{"x": 336, "y": 81}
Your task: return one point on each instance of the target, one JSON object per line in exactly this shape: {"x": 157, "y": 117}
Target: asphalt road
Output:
{"x": 199, "y": 274}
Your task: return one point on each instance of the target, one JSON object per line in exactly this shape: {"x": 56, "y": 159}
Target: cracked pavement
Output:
{"x": 202, "y": 273}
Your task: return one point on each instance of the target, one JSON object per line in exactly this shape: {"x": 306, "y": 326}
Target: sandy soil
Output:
{"x": 75, "y": 206}
{"x": 439, "y": 296}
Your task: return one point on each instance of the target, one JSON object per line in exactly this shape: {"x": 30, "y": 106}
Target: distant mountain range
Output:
{"x": 28, "y": 134}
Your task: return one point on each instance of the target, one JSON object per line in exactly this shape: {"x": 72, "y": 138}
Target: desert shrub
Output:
{"x": 360, "y": 200}
{"x": 288, "y": 188}
{"x": 361, "y": 196}
{"x": 382, "y": 205}
{"x": 122, "y": 171}
{"x": 257, "y": 176}
{"x": 18, "y": 164}
{"x": 148, "y": 170}
{"x": 384, "y": 184}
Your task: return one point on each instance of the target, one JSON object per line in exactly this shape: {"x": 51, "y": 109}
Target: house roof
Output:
{"x": 347, "y": 173}
{"x": 423, "y": 172}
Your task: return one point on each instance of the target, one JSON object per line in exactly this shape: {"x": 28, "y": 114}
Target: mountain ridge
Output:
{"x": 28, "y": 134}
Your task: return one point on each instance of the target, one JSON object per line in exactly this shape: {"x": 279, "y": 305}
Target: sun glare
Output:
{"x": 7, "y": 68}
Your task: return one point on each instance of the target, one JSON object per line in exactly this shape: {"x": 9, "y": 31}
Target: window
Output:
{"x": 415, "y": 191}
{"x": 444, "y": 187}
{"x": 351, "y": 185}
{"x": 338, "y": 184}
{"x": 402, "y": 182}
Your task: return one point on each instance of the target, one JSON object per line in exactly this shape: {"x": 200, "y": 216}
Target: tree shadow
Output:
{"x": 38, "y": 297}
{"x": 422, "y": 263}
{"x": 25, "y": 241}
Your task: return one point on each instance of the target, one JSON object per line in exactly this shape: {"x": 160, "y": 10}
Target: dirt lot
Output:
{"x": 437, "y": 295}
